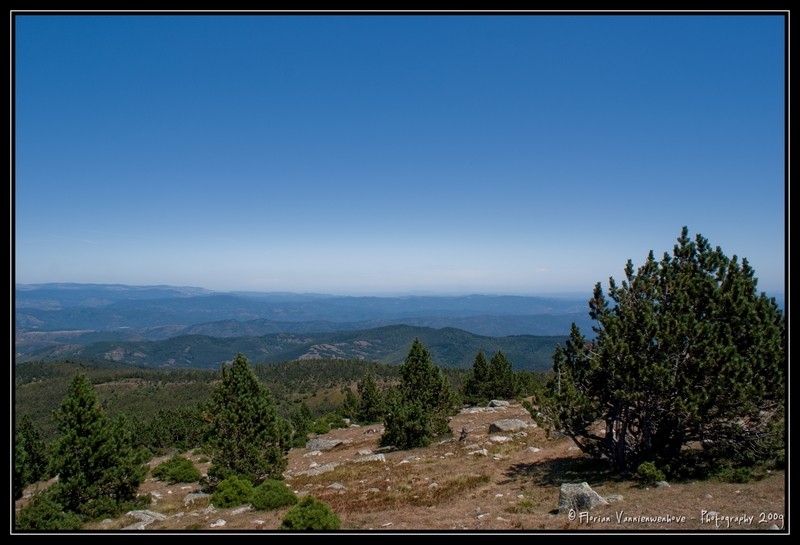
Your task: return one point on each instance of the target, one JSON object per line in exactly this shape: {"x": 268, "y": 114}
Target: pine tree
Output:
{"x": 503, "y": 383}
{"x": 30, "y": 456}
{"x": 246, "y": 437}
{"x": 351, "y": 404}
{"x": 688, "y": 351}
{"x": 371, "y": 406}
{"x": 423, "y": 405}
{"x": 301, "y": 425}
{"x": 98, "y": 469}
{"x": 477, "y": 382}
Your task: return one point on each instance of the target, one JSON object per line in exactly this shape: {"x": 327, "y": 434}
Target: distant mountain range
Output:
{"x": 164, "y": 323}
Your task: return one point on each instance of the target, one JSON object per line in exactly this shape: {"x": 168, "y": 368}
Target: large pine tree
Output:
{"x": 421, "y": 409}
{"x": 687, "y": 351}
{"x": 246, "y": 436}
{"x": 98, "y": 469}
{"x": 476, "y": 386}
{"x": 503, "y": 382}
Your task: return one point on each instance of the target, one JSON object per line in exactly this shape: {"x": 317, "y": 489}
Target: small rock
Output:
{"x": 371, "y": 458}
{"x": 662, "y": 484}
{"x": 217, "y": 523}
{"x": 433, "y": 485}
{"x": 364, "y": 452}
{"x": 498, "y": 403}
{"x": 499, "y": 439}
{"x": 533, "y": 449}
{"x": 481, "y": 452}
{"x": 372, "y": 490}
{"x": 319, "y": 470}
{"x": 242, "y": 509}
{"x": 312, "y": 453}
{"x": 384, "y": 525}
{"x": 336, "y": 486}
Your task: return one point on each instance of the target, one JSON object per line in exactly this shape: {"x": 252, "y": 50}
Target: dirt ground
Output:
{"x": 480, "y": 484}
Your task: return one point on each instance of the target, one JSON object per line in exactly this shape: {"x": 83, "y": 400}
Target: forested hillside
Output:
{"x": 449, "y": 347}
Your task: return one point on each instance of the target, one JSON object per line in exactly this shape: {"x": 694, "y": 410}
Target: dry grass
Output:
{"x": 444, "y": 487}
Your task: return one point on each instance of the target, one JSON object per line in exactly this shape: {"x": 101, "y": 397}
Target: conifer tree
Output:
{"x": 98, "y": 468}
{"x": 301, "y": 425}
{"x": 246, "y": 436}
{"x": 350, "y": 405}
{"x": 687, "y": 351}
{"x": 371, "y": 405}
{"x": 503, "y": 383}
{"x": 30, "y": 456}
{"x": 477, "y": 382}
{"x": 424, "y": 402}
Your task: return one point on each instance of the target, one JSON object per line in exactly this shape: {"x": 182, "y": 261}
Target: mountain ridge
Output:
{"x": 449, "y": 347}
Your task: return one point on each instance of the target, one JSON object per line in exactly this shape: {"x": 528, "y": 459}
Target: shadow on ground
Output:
{"x": 555, "y": 471}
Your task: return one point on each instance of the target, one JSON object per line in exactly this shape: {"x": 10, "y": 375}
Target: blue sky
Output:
{"x": 524, "y": 154}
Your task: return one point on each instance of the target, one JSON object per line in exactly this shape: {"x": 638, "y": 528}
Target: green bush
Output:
{"x": 335, "y": 421}
{"x": 232, "y": 491}
{"x": 311, "y": 514}
{"x": 649, "y": 474}
{"x": 730, "y": 474}
{"x": 177, "y": 470}
{"x": 46, "y": 513}
{"x": 272, "y": 494}
{"x": 320, "y": 427}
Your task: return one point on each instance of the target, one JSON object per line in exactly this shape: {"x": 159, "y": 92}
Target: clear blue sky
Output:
{"x": 394, "y": 154}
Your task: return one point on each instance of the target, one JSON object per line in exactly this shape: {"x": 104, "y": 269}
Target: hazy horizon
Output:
{"x": 384, "y": 155}
{"x": 778, "y": 294}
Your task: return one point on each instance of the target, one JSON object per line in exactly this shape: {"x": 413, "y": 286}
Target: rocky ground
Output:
{"x": 505, "y": 480}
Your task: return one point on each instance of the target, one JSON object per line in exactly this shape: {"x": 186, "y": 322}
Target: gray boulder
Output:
{"x": 371, "y": 458}
{"x": 498, "y": 403}
{"x": 508, "y": 424}
{"x": 324, "y": 444}
{"x": 579, "y": 497}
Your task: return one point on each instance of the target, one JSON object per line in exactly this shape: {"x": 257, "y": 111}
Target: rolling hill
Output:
{"x": 449, "y": 347}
